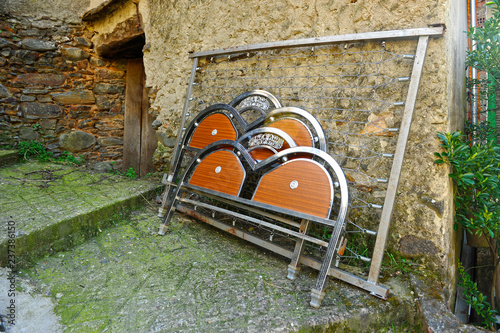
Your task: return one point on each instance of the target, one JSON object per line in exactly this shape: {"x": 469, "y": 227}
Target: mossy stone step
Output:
{"x": 48, "y": 207}
{"x": 8, "y": 157}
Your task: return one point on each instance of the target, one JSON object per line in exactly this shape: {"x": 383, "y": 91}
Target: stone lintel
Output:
{"x": 124, "y": 37}
{"x": 105, "y": 8}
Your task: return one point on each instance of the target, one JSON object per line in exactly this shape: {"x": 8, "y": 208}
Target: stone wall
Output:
{"x": 55, "y": 90}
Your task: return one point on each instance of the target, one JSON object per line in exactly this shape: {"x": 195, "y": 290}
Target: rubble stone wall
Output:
{"x": 54, "y": 89}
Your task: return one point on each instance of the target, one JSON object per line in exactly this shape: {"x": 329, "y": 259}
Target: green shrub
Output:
{"x": 475, "y": 170}
{"x": 33, "y": 149}
{"x": 475, "y": 298}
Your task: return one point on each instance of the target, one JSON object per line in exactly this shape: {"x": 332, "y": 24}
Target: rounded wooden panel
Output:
{"x": 220, "y": 171}
{"x": 261, "y": 153}
{"x": 300, "y": 185}
{"x": 296, "y": 129}
{"x": 213, "y": 128}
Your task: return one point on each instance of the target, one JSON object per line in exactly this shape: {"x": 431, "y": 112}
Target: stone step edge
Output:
{"x": 61, "y": 236}
{"x": 8, "y": 157}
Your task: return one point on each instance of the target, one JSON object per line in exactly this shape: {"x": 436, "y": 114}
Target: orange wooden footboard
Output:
{"x": 301, "y": 185}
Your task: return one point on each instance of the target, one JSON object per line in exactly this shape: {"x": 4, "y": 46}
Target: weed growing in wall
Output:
{"x": 130, "y": 173}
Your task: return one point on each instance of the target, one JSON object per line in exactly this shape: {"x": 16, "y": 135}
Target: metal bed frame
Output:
{"x": 175, "y": 201}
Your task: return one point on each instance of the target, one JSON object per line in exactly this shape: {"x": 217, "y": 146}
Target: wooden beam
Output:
{"x": 148, "y": 137}
{"x": 133, "y": 117}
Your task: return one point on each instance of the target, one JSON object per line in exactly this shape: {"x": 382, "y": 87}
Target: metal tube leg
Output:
{"x": 294, "y": 267}
{"x": 166, "y": 194}
{"x": 318, "y": 292}
{"x": 164, "y": 226}
{"x": 170, "y": 185}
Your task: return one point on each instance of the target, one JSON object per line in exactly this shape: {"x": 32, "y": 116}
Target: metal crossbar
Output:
{"x": 361, "y": 87}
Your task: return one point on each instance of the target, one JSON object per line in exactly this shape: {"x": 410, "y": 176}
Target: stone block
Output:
{"x": 52, "y": 146}
{"x": 165, "y": 140}
{"x": 6, "y": 43}
{"x": 28, "y": 134}
{"x": 34, "y": 91}
{"x": 43, "y": 24}
{"x": 110, "y": 141}
{"x": 10, "y": 100}
{"x": 104, "y": 102}
{"x": 5, "y": 126}
{"x": 102, "y": 167}
{"x": 156, "y": 124}
{"x": 4, "y": 92}
{"x": 74, "y": 97}
{"x": 76, "y": 141}
{"x": 67, "y": 123}
{"x": 86, "y": 123}
{"x": 82, "y": 41}
{"x": 29, "y": 33}
{"x": 48, "y": 124}
{"x": 107, "y": 88}
{"x": 74, "y": 53}
{"x": 97, "y": 62}
{"x": 411, "y": 246}
{"x": 27, "y": 55}
{"x": 40, "y": 79}
{"x": 108, "y": 74}
{"x": 41, "y": 110}
{"x": 27, "y": 98}
{"x": 44, "y": 98}
{"x": 37, "y": 45}
{"x": 80, "y": 111}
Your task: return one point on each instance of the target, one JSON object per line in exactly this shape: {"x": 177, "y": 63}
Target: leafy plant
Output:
{"x": 34, "y": 149}
{"x": 485, "y": 57}
{"x": 68, "y": 157}
{"x": 486, "y": 54}
{"x": 475, "y": 170}
{"x": 399, "y": 266}
{"x": 476, "y": 299}
{"x": 130, "y": 173}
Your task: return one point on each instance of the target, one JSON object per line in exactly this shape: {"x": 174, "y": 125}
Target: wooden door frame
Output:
{"x": 139, "y": 137}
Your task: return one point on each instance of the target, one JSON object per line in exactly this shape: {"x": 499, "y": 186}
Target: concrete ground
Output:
{"x": 113, "y": 273}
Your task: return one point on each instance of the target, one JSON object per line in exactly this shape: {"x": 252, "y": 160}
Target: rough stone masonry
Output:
{"x": 55, "y": 90}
